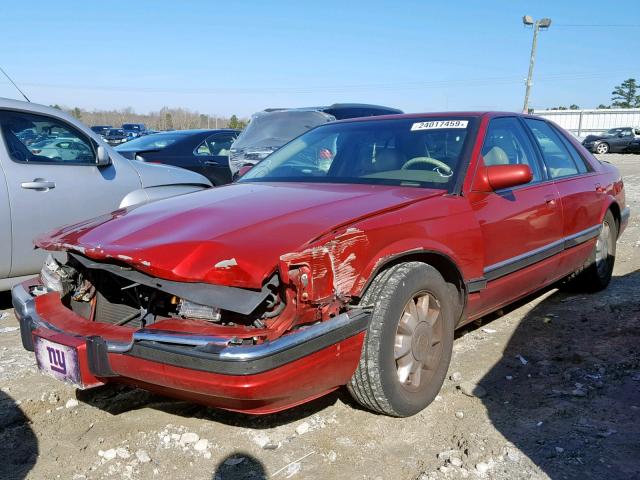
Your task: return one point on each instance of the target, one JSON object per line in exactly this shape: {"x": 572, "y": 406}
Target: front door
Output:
{"x": 521, "y": 226}
{"x": 52, "y": 180}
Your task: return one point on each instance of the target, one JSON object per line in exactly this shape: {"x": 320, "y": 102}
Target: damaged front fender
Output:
{"x": 325, "y": 272}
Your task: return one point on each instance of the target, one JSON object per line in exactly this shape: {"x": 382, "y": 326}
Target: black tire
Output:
{"x": 376, "y": 384}
{"x": 595, "y": 274}
{"x": 602, "y": 148}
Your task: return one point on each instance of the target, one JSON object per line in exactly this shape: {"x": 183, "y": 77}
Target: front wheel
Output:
{"x": 602, "y": 148}
{"x": 408, "y": 344}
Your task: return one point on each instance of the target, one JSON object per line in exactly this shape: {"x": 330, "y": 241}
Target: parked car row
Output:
{"x": 222, "y": 155}
{"x": 116, "y": 136}
{"x": 615, "y": 140}
{"x": 347, "y": 256}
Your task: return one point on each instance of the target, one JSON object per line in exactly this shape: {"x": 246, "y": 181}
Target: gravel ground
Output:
{"x": 560, "y": 398}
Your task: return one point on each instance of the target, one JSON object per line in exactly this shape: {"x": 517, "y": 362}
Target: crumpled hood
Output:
{"x": 232, "y": 235}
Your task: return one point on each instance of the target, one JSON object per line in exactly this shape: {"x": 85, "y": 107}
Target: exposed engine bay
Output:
{"x": 116, "y": 294}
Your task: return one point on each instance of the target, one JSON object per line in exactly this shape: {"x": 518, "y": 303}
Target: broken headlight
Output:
{"x": 55, "y": 277}
{"x": 189, "y": 309}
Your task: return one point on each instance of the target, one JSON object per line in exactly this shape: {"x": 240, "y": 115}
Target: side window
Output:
{"x": 506, "y": 143}
{"x": 39, "y": 139}
{"x": 581, "y": 163}
{"x": 218, "y": 145}
{"x": 627, "y": 132}
{"x": 559, "y": 162}
{"x": 202, "y": 149}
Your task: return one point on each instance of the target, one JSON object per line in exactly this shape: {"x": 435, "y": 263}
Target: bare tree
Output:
{"x": 164, "y": 119}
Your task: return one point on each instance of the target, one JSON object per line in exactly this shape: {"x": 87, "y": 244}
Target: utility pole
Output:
{"x": 542, "y": 24}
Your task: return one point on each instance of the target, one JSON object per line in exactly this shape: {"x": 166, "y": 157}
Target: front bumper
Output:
{"x": 260, "y": 378}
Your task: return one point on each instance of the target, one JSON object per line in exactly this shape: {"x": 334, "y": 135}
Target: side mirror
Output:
{"x": 103, "y": 158}
{"x": 507, "y": 176}
{"x": 620, "y": 135}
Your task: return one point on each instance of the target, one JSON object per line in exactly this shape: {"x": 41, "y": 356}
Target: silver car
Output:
{"x": 41, "y": 189}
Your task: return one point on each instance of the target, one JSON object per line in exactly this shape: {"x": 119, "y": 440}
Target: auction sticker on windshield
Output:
{"x": 435, "y": 124}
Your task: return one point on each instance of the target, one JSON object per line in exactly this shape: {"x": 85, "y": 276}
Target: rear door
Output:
{"x": 213, "y": 154}
{"x": 51, "y": 188}
{"x": 581, "y": 194}
{"x": 521, "y": 226}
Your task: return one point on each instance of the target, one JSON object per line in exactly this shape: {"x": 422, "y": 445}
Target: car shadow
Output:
{"x": 18, "y": 442}
{"x": 118, "y": 399}
{"x": 5, "y": 300}
{"x": 240, "y": 466}
{"x": 566, "y": 392}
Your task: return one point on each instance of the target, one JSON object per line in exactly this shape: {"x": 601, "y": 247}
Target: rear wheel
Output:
{"x": 596, "y": 272}
{"x": 409, "y": 341}
{"x": 602, "y": 148}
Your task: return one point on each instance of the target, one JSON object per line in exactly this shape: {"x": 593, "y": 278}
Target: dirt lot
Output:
{"x": 561, "y": 376}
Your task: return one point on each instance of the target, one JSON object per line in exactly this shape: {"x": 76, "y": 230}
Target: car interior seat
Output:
{"x": 387, "y": 159}
{"x": 496, "y": 156}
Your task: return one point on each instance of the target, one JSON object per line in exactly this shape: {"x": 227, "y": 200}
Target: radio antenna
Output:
{"x": 14, "y": 84}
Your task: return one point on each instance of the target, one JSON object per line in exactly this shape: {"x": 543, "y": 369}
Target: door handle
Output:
{"x": 210, "y": 163}
{"x": 550, "y": 200}
{"x": 39, "y": 184}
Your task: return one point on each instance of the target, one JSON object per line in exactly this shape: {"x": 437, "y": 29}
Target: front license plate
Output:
{"x": 59, "y": 361}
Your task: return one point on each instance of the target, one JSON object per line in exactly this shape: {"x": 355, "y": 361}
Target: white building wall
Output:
{"x": 584, "y": 122}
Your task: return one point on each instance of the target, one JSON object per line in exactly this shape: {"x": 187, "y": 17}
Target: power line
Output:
{"x": 597, "y": 25}
{"x": 336, "y": 89}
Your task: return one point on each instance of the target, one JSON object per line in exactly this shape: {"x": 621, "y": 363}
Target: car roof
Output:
{"x": 473, "y": 114}
{"x": 196, "y": 130}
{"x": 335, "y": 106}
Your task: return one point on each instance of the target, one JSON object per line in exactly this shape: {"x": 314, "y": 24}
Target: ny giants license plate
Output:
{"x": 59, "y": 361}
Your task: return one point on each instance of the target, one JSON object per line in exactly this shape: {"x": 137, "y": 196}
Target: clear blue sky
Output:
{"x": 242, "y": 56}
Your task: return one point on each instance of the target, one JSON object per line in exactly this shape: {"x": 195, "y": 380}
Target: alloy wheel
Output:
{"x": 603, "y": 249}
{"x": 418, "y": 341}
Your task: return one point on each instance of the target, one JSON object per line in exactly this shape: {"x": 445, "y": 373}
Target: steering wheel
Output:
{"x": 432, "y": 161}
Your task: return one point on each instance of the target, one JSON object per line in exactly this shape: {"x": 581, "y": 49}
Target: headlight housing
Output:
{"x": 54, "y": 277}
{"x": 190, "y": 309}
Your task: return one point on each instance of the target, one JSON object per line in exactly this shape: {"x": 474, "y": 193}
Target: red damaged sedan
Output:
{"x": 317, "y": 271}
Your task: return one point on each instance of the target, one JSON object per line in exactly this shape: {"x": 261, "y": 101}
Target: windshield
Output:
{"x": 274, "y": 129}
{"x": 407, "y": 152}
{"x": 131, "y": 126}
{"x": 115, "y": 131}
{"x": 157, "y": 141}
